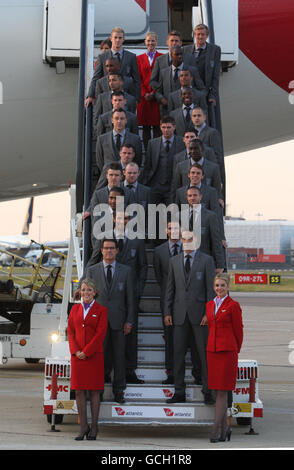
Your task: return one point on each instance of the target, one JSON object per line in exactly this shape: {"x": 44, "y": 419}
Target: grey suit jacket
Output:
{"x": 104, "y": 123}
{"x": 209, "y": 201}
{"x": 106, "y": 151}
{"x": 181, "y": 124}
{"x": 211, "y": 137}
{"x": 100, "y": 196}
{"x": 128, "y": 67}
{"x": 162, "y": 62}
{"x": 212, "y": 67}
{"x": 187, "y": 295}
{"x": 208, "y": 154}
{"x": 211, "y": 237}
{"x": 119, "y": 297}
{"x": 167, "y": 85}
{"x": 211, "y": 178}
{"x": 161, "y": 259}
{"x": 152, "y": 156}
{"x": 103, "y": 105}
{"x": 175, "y": 100}
{"x": 102, "y": 86}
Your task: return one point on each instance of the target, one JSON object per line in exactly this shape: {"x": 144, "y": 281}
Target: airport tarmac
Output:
{"x": 268, "y": 333}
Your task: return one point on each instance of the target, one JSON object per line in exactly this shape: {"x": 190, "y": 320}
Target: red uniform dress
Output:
{"x": 148, "y": 113}
{"x": 87, "y": 335}
{"x": 224, "y": 343}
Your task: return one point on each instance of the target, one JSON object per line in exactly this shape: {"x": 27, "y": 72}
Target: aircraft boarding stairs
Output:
{"x": 146, "y": 403}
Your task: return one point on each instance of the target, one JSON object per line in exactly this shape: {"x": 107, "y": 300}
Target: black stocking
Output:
{"x": 95, "y": 406}
{"x": 82, "y": 409}
{"x": 220, "y": 421}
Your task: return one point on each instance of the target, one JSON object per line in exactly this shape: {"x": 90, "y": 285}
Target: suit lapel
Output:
{"x": 193, "y": 268}
{"x": 115, "y": 277}
{"x": 223, "y": 306}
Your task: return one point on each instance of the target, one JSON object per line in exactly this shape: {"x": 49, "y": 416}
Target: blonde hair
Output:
{"x": 90, "y": 283}
{"x": 153, "y": 34}
{"x": 224, "y": 276}
{"x": 117, "y": 29}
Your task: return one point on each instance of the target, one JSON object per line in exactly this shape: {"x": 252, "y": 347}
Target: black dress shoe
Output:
{"x": 133, "y": 379}
{"x": 107, "y": 379}
{"x": 119, "y": 397}
{"x": 169, "y": 381}
{"x": 208, "y": 399}
{"x": 177, "y": 399}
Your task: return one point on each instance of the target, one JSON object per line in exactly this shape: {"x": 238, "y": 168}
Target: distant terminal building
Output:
{"x": 263, "y": 242}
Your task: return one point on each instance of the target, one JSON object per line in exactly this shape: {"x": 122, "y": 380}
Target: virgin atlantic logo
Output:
{"x": 168, "y": 393}
{"x": 120, "y": 411}
{"x": 168, "y": 412}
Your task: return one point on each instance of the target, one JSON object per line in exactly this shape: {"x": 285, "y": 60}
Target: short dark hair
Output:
{"x": 174, "y": 32}
{"x": 194, "y": 187}
{"x": 196, "y": 165}
{"x": 168, "y": 120}
{"x": 117, "y": 189}
{"x": 109, "y": 240}
{"x": 114, "y": 166}
{"x": 120, "y": 110}
{"x": 118, "y": 93}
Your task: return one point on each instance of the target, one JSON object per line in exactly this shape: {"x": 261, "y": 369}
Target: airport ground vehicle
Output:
{"x": 30, "y": 307}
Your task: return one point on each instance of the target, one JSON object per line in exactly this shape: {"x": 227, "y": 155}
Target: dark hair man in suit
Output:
{"x": 189, "y": 287}
{"x": 115, "y": 291}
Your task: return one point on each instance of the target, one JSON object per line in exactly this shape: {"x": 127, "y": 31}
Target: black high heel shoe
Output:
{"x": 92, "y": 435}
{"x": 227, "y": 435}
{"x": 81, "y": 436}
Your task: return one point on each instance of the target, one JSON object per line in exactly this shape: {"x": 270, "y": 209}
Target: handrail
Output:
{"x": 87, "y": 185}
{"x": 81, "y": 99}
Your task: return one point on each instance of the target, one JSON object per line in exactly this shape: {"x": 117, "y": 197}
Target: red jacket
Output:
{"x": 226, "y": 327}
{"x": 87, "y": 335}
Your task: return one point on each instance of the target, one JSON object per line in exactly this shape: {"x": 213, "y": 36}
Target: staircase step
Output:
{"x": 150, "y": 303}
{"x": 151, "y": 288}
{"x": 156, "y": 373}
{"x": 156, "y": 356}
{"x": 151, "y": 321}
{"x": 151, "y": 338}
{"x": 153, "y": 392}
{"x": 144, "y": 413}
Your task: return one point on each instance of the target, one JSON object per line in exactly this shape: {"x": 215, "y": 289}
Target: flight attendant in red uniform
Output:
{"x": 86, "y": 330}
{"x": 224, "y": 318}
{"x": 148, "y": 113}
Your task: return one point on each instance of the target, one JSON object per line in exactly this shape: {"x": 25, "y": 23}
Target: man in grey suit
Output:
{"x": 132, "y": 253}
{"x": 103, "y": 103}
{"x": 182, "y": 115}
{"x": 211, "y": 242}
{"x": 208, "y": 59}
{"x": 115, "y": 292}
{"x": 209, "y": 198}
{"x": 169, "y": 78}
{"x": 127, "y": 154}
{"x": 209, "y": 136}
{"x": 112, "y": 65}
{"x": 158, "y": 167}
{"x": 186, "y": 80}
{"x": 128, "y": 64}
{"x": 189, "y": 287}
{"x": 211, "y": 170}
{"x": 118, "y": 101}
{"x": 161, "y": 258}
{"x": 190, "y": 135}
{"x": 108, "y": 145}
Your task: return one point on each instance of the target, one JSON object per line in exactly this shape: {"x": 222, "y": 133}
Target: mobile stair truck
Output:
{"x": 145, "y": 404}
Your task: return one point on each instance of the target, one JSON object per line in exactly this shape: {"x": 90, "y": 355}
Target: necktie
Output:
{"x": 117, "y": 55}
{"x": 187, "y": 264}
{"x": 167, "y": 146}
{"x": 188, "y": 117}
{"x": 196, "y": 132}
{"x": 176, "y": 76}
{"x": 120, "y": 244}
{"x": 191, "y": 220}
{"x": 118, "y": 141}
{"x": 130, "y": 186}
{"x": 175, "y": 249}
{"x": 109, "y": 274}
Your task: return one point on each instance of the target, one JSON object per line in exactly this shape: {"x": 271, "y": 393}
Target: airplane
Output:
{"x": 20, "y": 241}
{"x": 39, "y": 107}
